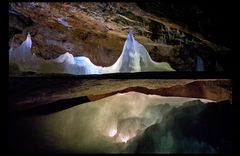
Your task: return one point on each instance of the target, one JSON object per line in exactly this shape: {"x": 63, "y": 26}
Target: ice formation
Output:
{"x": 109, "y": 125}
{"x": 134, "y": 58}
{"x": 200, "y": 64}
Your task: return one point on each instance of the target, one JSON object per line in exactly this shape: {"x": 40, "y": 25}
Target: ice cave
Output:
{"x": 189, "y": 116}
{"x": 134, "y": 58}
{"x": 116, "y": 124}
{"x": 80, "y": 77}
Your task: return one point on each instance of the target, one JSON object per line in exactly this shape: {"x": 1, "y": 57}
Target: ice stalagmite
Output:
{"x": 134, "y": 58}
{"x": 200, "y": 64}
{"x": 22, "y": 55}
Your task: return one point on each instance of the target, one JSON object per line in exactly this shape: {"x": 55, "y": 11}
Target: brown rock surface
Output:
{"x": 98, "y": 31}
{"x": 27, "y": 93}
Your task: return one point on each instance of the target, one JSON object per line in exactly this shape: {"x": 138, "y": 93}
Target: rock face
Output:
{"x": 98, "y": 31}
{"x": 62, "y": 93}
{"x": 217, "y": 90}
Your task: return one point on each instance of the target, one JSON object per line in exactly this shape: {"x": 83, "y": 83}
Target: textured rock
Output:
{"x": 68, "y": 92}
{"x": 217, "y": 90}
{"x": 98, "y": 31}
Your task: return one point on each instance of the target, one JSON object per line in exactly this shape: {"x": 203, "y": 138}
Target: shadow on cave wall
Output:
{"x": 212, "y": 20}
{"x": 209, "y": 18}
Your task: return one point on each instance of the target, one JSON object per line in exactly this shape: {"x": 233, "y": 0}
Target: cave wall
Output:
{"x": 98, "y": 31}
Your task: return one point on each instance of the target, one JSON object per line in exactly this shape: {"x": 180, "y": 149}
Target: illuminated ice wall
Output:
{"x": 134, "y": 58}
{"x": 110, "y": 125}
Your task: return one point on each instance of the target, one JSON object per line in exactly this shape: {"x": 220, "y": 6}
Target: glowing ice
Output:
{"x": 124, "y": 138}
{"x": 112, "y": 132}
{"x": 134, "y": 58}
{"x": 83, "y": 128}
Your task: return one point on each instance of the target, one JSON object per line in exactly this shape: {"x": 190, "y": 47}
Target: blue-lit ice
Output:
{"x": 134, "y": 58}
{"x": 200, "y": 64}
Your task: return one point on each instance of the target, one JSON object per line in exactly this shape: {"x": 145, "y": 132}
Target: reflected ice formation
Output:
{"x": 134, "y": 58}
